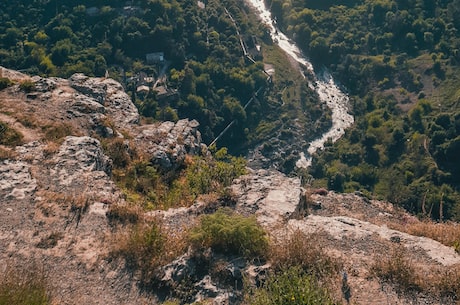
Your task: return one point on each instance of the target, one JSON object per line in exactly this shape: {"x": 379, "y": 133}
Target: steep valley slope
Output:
{"x": 57, "y": 191}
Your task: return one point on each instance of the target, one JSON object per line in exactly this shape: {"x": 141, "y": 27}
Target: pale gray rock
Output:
{"x": 85, "y": 104}
{"x": 46, "y": 84}
{"x": 81, "y": 162}
{"x": 16, "y": 181}
{"x": 270, "y": 195}
{"x": 167, "y": 144}
{"x": 109, "y": 93}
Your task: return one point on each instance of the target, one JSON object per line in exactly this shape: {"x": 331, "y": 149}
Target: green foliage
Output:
{"x": 208, "y": 175}
{"x": 151, "y": 188}
{"x": 290, "y": 286}
{"x": 230, "y": 233}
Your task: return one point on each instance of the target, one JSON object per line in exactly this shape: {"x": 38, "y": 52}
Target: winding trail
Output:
{"x": 328, "y": 91}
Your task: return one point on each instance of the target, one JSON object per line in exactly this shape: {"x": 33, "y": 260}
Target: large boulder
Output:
{"x": 109, "y": 93}
{"x": 80, "y": 164}
{"x": 270, "y": 195}
{"x": 16, "y": 181}
{"x": 167, "y": 144}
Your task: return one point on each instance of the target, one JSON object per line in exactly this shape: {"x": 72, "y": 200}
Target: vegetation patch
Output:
{"x": 304, "y": 251}
{"x": 398, "y": 270}
{"x": 227, "y": 232}
{"x": 9, "y": 136}
{"x": 27, "y": 86}
{"x": 24, "y": 286}
{"x": 124, "y": 214}
{"x": 5, "y": 83}
{"x": 146, "y": 186}
{"x": 6, "y": 153}
{"x": 57, "y": 132}
{"x": 146, "y": 246}
{"x": 289, "y": 286}
{"x": 447, "y": 233}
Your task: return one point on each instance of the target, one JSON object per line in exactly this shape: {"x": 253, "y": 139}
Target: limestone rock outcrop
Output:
{"x": 167, "y": 144}
{"x": 109, "y": 93}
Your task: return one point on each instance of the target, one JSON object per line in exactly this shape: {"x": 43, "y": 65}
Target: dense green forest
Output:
{"x": 400, "y": 62}
{"x": 204, "y": 61}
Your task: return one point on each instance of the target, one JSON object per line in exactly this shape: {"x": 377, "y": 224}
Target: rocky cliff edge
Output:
{"x": 56, "y": 188}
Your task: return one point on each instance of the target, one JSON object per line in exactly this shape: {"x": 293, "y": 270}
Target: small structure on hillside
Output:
{"x": 92, "y": 11}
{"x": 142, "y": 91}
{"x": 155, "y": 58}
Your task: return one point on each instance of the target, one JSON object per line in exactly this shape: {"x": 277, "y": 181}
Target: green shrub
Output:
{"x": 142, "y": 246}
{"x": 290, "y": 286}
{"x": 143, "y": 183}
{"x": 117, "y": 150}
{"x": 230, "y": 233}
{"x": 24, "y": 286}
{"x": 207, "y": 175}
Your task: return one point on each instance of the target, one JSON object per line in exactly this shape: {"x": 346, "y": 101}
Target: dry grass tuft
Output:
{"x": 9, "y": 136}
{"x": 50, "y": 241}
{"x": 57, "y": 132}
{"x": 51, "y": 148}
{"x": 23, "y": 286}
{"x": 447, "y": 233}
{"x": 7, "y": 154}
{"x": 146, "y": 246}
{"x": 124, "y": 214}
{"x": 304, "y": 251}
{"x": 397, "y": 269}
{"x": 446, "y": 284}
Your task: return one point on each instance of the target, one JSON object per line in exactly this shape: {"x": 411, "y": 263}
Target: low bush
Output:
{"x": 116, "y": 149}
{"x": 206, "y": 175}
{"x": 289, "y": 286}
{"x": 148, "y": 186}
{"x": 24, "y": 286}
{"x": 227, "y": 232}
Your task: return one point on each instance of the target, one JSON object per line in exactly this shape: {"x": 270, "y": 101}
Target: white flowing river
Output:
{"x": 327, "y": 89}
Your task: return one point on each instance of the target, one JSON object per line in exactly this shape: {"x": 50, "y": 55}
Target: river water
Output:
{"x": 328, "y": 91}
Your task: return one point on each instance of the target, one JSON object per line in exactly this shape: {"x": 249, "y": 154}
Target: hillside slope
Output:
{"x": 62, "y": 213}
